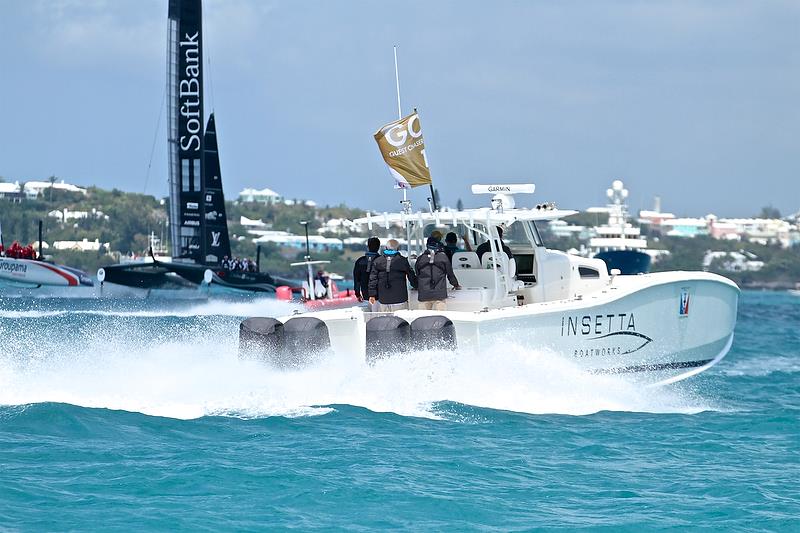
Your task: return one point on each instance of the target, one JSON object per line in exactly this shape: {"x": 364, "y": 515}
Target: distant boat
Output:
{"x": 618, "y": 243}
{"x": 36, "y": 273}
{"x": 198, "y": 225}
{"x": 33, "y": 271}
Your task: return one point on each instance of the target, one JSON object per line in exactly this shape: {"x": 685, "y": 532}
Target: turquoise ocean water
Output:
{"x": 121, "y": 415}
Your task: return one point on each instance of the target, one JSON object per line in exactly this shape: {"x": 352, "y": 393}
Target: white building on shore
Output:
{"x": 31, "y": 190}
{"x": 34, "y": 188}
{"x": 84, "y": 245}
{"x": 65, "y": 215}
{"x": 734, "y": 261}
{"x": 263, "y": 196}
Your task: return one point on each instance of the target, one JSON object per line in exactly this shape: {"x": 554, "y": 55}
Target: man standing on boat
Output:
{"x": 433, "y": 271}
{"x": 486, "y": 247}
{"x": 451, "y": 244}
{"x": 362, "y": 269}
{"x": 387, "y": 280}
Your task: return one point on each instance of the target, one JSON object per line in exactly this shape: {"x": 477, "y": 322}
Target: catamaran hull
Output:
{"x": 159, "y": 275}
{"x": 660, "y": 327}
{"x": 29, "y": 272}
{"x": 144, "y": 276}
{"x": 246, "y": 281}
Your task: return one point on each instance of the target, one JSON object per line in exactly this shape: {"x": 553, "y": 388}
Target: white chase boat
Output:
{"x": 662, "y": 326}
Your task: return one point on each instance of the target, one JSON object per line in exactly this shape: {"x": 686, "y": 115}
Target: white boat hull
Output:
{"x": 663, "y": 327}
{"x": 29, "y": 272}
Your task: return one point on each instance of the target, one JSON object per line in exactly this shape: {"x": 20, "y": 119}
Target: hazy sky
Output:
{"x": 698, "y": 102}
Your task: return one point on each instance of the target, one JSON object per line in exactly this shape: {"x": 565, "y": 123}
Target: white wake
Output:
{"x": 119, "y": 366}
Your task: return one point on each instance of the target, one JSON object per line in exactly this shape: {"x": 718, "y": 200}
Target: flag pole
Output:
{"x": 399, "y": 116}
{"x": 399, "y": 108}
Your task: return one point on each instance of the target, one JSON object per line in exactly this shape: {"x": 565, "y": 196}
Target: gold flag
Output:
{"x": 403, "y": 149}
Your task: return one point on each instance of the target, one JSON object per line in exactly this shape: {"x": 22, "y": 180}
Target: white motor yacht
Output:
{"x": 663, "y": 327}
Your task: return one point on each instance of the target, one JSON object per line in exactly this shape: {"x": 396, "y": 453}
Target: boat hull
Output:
{"x": 247, "y": 281}
{"x": 660, "y": 327}
{"x": 668, "y": 330}
{"x": 31, "y": 272}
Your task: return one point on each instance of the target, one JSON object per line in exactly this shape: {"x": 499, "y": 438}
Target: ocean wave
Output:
{"x": 762, "y": 366}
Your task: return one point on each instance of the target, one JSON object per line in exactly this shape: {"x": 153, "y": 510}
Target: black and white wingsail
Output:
{"x": 217, "y": 242}
{"x": 185, "y": 137}
{"x": 198, "y": 224}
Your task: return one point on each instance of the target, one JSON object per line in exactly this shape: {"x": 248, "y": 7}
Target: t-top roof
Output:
{"x": 485, "y": 215}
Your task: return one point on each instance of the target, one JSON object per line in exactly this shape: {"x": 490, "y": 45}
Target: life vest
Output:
{"x": 388, "y": 269}
{"x": 370, "y": 259}
{"x": 430, "y": 264}
{"x": 389, "y": 257}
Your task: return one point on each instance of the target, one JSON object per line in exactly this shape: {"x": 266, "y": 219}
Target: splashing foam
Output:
{"x": 199, "y": 374}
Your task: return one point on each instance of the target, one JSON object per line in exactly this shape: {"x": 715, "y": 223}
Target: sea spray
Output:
{"x": 184, "y": 364}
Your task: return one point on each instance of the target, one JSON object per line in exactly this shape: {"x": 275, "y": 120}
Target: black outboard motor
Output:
{"x": 386, "y": 335}
{"x": 261, "y": 339}
{"x": 305, "y": 339}
{"x": 434, "y": 332}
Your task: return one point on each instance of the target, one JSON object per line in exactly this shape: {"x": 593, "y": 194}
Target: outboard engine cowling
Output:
{"x": 434, "y": 332}
{"x": 261, "y": 338}
{"x": 305, "y": 339}
{"x": 386, "y": 335}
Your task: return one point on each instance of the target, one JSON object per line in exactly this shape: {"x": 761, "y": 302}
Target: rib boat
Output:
{"x": 662, "y": 327}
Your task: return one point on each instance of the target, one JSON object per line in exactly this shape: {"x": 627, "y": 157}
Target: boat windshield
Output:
{"x": 521, "y": 234}
{"x": 516, "y": 235}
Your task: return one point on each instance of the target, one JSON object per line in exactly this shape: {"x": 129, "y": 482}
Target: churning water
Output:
{"x": 131, "y": 413}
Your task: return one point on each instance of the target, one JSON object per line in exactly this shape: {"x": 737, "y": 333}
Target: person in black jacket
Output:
{"x": 387, "y": 280}
{"x": 362, "y": 268}
{"x": 433, "y": 271}
{"x": 486, "y": 247}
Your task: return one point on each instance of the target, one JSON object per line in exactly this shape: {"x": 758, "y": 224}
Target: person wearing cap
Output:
{"x": 433, "y": 271}
{"x": 387, "y": 280}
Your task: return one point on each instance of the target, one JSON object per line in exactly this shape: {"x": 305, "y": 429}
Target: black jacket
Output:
{"x": 486, "y": 247}
{"x": 387, "y": 280}
{"x": 432, "y": 272}
{"x": 361, "y": 275}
